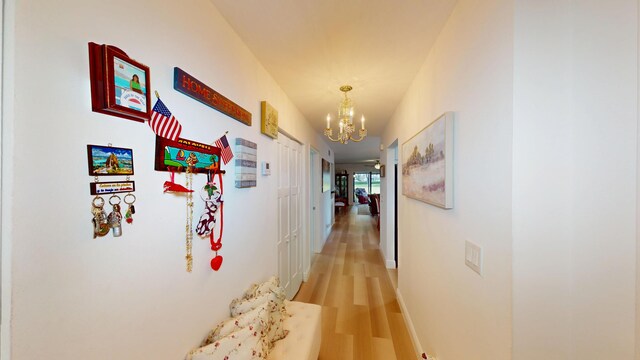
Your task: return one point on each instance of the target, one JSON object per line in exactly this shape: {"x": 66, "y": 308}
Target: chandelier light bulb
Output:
{"x": 362, "y": 122}
{"x": 328, "y": 121}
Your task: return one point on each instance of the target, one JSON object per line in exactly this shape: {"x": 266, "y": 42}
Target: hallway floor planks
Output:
{"x": 361, "y": 318}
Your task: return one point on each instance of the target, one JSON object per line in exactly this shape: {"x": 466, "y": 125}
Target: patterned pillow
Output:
{"x": 273, "y": 284}
{"x": 245, "y": 343}
{"x": 260, "y": 314}
{"x": 277, "y": 313}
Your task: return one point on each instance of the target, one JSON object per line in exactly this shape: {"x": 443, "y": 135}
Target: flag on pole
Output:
{"x": 163, "y": 123}
{"x": 226, "y": 152}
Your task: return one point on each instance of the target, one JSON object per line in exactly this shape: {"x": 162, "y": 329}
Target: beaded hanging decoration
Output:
{"x": 191, "y": 161}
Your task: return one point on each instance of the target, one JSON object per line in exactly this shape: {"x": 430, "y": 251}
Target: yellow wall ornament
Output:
{"x": 269, "y": 120}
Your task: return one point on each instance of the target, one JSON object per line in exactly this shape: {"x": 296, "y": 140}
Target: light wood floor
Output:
{"x": 361, "y": 318}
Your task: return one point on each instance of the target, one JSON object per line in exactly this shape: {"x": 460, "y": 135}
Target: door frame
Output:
{"x": 391, "y": 185}
{"x": 314, "y": 228}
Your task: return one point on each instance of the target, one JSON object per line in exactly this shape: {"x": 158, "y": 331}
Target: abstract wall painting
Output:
{"x": 427, "y": 163}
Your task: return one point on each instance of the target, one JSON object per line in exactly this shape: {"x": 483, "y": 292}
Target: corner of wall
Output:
{"x": 417, "y": 347}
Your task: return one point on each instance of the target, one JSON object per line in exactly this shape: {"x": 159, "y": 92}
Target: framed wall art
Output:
{"x": 268, "y": 120}
{"x": 119, "y": 85}
{"x": 427, "y": 163}
{"x": 326, "y": 175}
{"x": 109, "y": 160}
{"x": 173, "y": 156}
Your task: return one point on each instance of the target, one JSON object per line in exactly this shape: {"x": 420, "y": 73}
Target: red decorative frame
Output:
{"x": 103, "y": 86}
{"x": 167, "y": 158}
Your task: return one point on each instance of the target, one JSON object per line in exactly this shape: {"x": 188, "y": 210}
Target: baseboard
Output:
{"x": 412, "y": 331}
{"x": 391, "y": 264}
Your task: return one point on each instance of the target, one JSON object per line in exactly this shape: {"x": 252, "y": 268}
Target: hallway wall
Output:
{"x": 574, "y": 179}
{"x": 127, "y": 298}
{"x": 456, "y": 313}
{"x": 545, "y": 181}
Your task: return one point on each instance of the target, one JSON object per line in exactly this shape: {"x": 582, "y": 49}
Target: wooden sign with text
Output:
{"x": 196, "y": 89}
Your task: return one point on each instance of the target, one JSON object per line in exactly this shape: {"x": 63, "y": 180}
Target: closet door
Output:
{"x": 284, "y": 213}
{"x": 295, "y": 248}
{"x": 289, "y": 215}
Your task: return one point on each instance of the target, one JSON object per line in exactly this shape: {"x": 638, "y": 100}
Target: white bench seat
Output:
{"x": 305, "y": 333}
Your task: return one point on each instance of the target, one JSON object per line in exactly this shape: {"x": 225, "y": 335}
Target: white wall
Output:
{"x": 129, "y": 297}
{"x": 574, "y": 179}
{"x": 456, "y": 313}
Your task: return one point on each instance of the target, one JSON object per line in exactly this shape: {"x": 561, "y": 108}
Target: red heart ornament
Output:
{"x": 216, "y": 262}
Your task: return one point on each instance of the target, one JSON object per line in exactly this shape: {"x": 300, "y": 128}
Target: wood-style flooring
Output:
{"x": 361, "y": 318}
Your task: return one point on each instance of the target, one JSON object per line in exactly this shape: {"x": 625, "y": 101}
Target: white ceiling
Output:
{"x": 312, "y": 47}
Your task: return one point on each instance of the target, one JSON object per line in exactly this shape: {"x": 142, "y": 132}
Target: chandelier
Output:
{"x": 345, "y": 121}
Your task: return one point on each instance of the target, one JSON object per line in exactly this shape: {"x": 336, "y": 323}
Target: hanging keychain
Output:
{"x": 100, "y": 224}
{"x": 115, "y": 217}
{"x": 129, "y": 199}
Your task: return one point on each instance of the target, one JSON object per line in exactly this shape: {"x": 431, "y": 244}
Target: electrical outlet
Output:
{"x": 473, "y": 256}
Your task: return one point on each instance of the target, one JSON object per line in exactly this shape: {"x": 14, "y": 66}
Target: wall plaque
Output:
{"x": 196, "y": 89}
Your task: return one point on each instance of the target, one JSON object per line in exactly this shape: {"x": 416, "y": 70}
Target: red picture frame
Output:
{"x": 120, "y": 86}
{"x": 172, "y": 156}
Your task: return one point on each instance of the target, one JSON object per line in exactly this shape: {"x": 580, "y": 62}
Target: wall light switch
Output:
{"x": 473, "y": 256}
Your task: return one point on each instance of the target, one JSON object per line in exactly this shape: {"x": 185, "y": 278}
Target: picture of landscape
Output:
{"x": 427, "y": 164}
{"x": 106, "y": 160}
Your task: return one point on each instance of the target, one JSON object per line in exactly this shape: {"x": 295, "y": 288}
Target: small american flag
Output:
{"x": 163, "y": 123}
{"x": 226, "y": 152}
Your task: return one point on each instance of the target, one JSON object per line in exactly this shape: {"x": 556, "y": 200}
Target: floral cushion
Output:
{"x": 277, "y": 313}
{"x": 273, "y": 284}
{"x": 246, "y": 344}
{"x": 260, "y": 314}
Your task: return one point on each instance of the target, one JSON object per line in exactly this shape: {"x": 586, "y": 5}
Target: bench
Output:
{"x": 305, "y": 333}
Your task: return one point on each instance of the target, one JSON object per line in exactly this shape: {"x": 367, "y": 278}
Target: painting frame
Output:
{"x": 96, "y": 154}
{"x": 268, "y": 120}
{"x": 326, "y": 175}
{"x": 166, "y": 148}
{"x": 429, "y": 177}
{"x": 112, "y": 92}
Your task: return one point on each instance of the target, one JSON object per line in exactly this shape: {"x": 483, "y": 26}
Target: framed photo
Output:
{"x": 427, "y": 163}
{"x": 109, "y": 160}
{"x": 383, "y": 171}
{"x": 173, "y": 156}
{"x": 268, "y": 120}
{"x": 326, "y": 175}
{"x": 119, "y": 85}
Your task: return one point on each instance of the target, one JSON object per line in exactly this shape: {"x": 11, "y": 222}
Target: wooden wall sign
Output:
{"x": 246, "y": 163}
{"x": 173, "y": 155}
{"x": 196, "y": 89}
{"x": 112, "y": 187}
{"x": 119, "y": 85}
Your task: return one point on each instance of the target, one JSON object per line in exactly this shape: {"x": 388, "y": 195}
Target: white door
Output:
{"x": 284, "y": 210}
{"x": 289, "y": 222}
{"x": 295, "y": 216}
